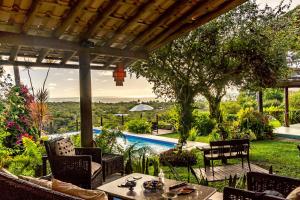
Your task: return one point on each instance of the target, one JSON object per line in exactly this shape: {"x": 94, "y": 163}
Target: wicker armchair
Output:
{"x": 75, "y": 169}
{"x": 17, "y": 189}
{"x": 260, "y": 182}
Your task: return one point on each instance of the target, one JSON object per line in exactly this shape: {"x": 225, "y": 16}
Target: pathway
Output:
{"x": 292, "y": 132}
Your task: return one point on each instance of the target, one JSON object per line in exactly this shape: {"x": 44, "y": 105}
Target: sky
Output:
{"x": 63, "y": 83}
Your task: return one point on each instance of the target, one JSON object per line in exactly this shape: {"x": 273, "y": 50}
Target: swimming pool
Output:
{"x": 155, "y": 144}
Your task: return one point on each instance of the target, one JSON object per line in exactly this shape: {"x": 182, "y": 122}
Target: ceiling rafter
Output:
{"x": 158, "y": 22}
{"x": 227, "y": 6}
{"x": 133, "y": 19}
{"x": 101, "y": 17}
{"x": 14, "y": 53}
{"x": 70, "y": 19}
{"x": 67, "y": 57}
{"x": 202, "y": 8}
{"x": 42, "y": 54}
{"x": 32, "y": 12}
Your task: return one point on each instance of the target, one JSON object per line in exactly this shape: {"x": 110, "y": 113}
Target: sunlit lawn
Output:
{"x": 282, "y": 155}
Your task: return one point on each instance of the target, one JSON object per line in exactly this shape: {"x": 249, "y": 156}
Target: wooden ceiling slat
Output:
{"x": 42, "y": 54}
{"x": 70, "y": 19}
{"x": 14, "y": 52}
{"x": 32, "y": 12}
{"x": 229, "y": 5}
{"x": 67, "y": 57}
{"x": 186, "y": 18}
{"x": 53, "y": 43}
{"x": 158, "y": 22}
{"x": 133, "y": 19}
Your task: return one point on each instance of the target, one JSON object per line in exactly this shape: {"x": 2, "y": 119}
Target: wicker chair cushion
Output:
{"x": 8, "y": 173}
{"x": 273, "y": 193}
{"x": 76, "y": 191}
{"x": 294, "y": 195}
{"x": 37, "y": 181}
{"x": 64, "y": 147}
{"x": 95, "y": 167}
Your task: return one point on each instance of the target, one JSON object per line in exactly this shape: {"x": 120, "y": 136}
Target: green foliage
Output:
{"x": 178, "y": 158}
{"x": 29, "y": 162}
{"x": 171, "y": 116}
{"x": 230, "y": 107}
{"x": 107, "y": 141}
{"x": 220, "y": 132}
{"x": 138, "y": 126}
{"x": 5, "y": 153}
{"x": 250, "y": 119}
{"x": 295, "y": 100}
{"x": 193, "y": 134}
{"x": 76, "y": 140}
{"x": 247, "y": 99}
{"x": 202, "y": 122}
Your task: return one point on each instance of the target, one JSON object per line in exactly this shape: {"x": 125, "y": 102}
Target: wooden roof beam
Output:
{"x": 171, "y": 11}
{"x": 14, "y": 53}
{"x": 70, "y": 19}
{"x": 32, "y": 12}
{"x": 67, "y": 57}
{"x": 51, "y": 65}
{"x": 42, "y": 54}
{"x": 226, "y": 7}
{"x": 54, "y": 43}
{"x": 133, "y": 19}
{"x": 181, "y": 26}
{"x": 110, "y": 62}
{"x": 101, "y": 17}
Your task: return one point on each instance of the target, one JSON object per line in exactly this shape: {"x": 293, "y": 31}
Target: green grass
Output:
{"x": 282, "y": 155}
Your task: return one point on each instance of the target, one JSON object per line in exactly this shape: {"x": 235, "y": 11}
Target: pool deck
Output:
{"x": 190, "y": 144}
{"x": 292, "y": 132}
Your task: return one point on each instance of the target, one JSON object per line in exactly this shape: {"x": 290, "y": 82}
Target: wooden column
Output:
{"x": 17, "y": 75}
{"x": 259, "y": 96}
{"x": 85, "y": 99}
{"x": 286, "y": 107}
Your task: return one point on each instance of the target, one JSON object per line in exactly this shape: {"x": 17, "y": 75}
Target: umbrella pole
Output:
{"x": 141, "y": 115}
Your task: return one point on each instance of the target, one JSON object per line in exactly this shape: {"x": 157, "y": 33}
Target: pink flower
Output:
{"x": 24, "y": 89}
{"x": 10, "y": 124}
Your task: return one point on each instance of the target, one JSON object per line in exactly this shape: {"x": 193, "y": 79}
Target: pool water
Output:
{"x": 156, "y": 145}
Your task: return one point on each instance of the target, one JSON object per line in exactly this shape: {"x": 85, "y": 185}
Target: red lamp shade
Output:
{"x": 119, "y": 74}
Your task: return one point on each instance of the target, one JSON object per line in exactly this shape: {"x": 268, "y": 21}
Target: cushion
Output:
{"x": 95, "y": 167}
{"x": 64, "y": 147}
{"x": 37, "y": 181}
{"x": 8, "y": 173}
{"x": 294, "y": 195}
{"x": 76, "y": 191}
{"x": 273, "y": 193}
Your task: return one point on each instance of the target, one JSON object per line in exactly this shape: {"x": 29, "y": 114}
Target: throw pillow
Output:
{"x": 37, "y": 181}
{"x": 294, "y": 195}
{"x": 64, "y": 147}
{"x": 76, "y": 191}
{"x": 95, "y": 167}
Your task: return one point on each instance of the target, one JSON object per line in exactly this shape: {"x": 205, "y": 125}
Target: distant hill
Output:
{"x": 106, "y": 99}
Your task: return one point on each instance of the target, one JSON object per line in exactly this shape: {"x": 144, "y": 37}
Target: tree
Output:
{"x": 240, "y": 48}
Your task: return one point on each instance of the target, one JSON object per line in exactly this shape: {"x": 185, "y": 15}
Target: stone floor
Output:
{"x": 292, "y": 132}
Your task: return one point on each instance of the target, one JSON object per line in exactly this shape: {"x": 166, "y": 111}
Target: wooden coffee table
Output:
{"x": 112, "y": 189}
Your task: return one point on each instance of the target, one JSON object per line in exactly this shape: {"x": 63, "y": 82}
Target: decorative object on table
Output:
{"x": 153, "y": 185}
{"x": 161, "y": 176}
{"x": 184, "y": 190}
{"x": 130, "y": 183}
{"x": 169, "y": 195}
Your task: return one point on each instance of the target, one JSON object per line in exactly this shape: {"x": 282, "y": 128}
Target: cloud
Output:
{"x": 104, "y": 73}
{"x": 52, "y": 84}
{"x": 51, "y": 88}
{"x": 70, "y": 79}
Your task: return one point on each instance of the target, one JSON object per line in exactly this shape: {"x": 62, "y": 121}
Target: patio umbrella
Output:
{"x": 140, "y": 108}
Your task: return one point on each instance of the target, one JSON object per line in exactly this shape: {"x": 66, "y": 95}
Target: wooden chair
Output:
{"x": 76, "y": 169}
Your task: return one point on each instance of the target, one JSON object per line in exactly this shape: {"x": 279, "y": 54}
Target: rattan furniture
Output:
{"x": 75, "y": 169}
{"x": 112, "y": 163}
{"x": 257, "y": 183}
{"x": 17, "y": 189}
{"x": 229, "y": 149}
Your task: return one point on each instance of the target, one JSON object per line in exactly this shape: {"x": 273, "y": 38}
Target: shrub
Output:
{"x": 193, "y": 134}
{"x": 202, "y": 122}
{"x": 220, "y": 132}
{"x": 253, "y": 120}
{"x": 230, "y": 107}
{"x": 171, "y": 116}
{"x": 107, "y": 141}
{"x": 178, "y": 158}
{"x": 138, "y": 126}
{"x": 245, "y": 134}
{"x": 214, "y": 136}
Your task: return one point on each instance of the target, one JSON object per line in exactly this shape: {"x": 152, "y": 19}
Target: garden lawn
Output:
{"x": 282, "y": 155}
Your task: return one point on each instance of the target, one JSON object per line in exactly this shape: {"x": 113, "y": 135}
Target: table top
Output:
{"x": 112, "y": 189}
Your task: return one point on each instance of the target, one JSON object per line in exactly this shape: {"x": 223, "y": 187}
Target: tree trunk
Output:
{"x": 185, "y": 117}
{"x": 214, "y": 109}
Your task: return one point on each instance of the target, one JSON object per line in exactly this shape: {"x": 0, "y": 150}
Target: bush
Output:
{"x": 177, "y": 158}
{"x": 193, "y": 134}
{"x": 220, "y": 132}
{"x": 230, "y": 107}
{"x": 138, "y": 126}
{"x": 202, "y": 122}
{"x": 256, "y": 122}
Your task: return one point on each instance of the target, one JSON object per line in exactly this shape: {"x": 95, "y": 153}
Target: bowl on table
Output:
{"x": 153, "y": 185}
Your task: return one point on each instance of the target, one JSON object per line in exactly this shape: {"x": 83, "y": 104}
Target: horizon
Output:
{"x": 64, "y": 83}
